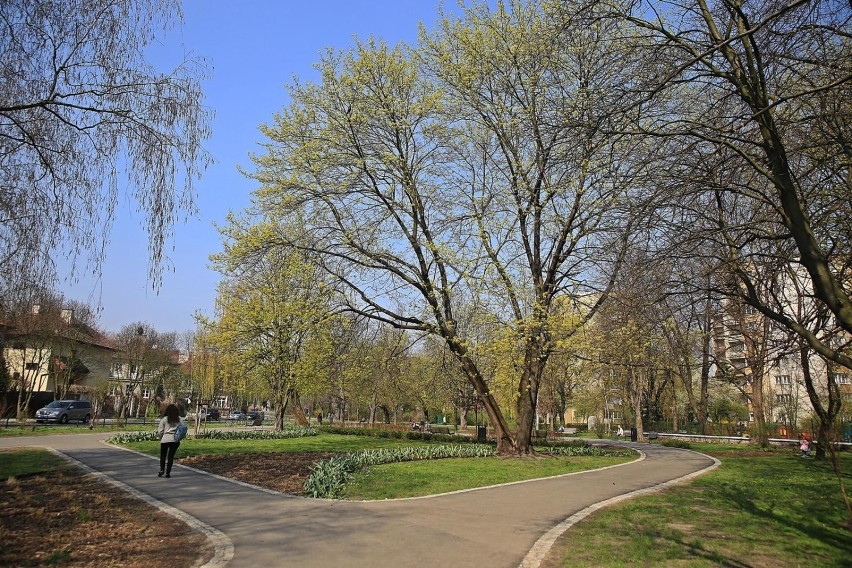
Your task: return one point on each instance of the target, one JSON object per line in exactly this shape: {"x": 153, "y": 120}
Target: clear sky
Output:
{"x": 253, "y": 48}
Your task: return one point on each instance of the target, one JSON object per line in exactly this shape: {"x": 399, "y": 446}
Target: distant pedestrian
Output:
{"x": 805, "y": 445}
{"x": 169, "y": 444}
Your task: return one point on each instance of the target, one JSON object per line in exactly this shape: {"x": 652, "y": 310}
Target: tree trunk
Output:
{"x": 298, "y": 412}
{"x": 757, "y": 404}
{"x": 756, "y": 344}
{"x": 374, "y": 403}
{"x": 674, "y": 405}
{"x": 528, "y": 399}
{"x": 704, "y": 388}
{"x": 505, "y": 443}
{"x": 636, "y": 400}
{"x": 827, "y": 416}
{"x": 279, "y": 399}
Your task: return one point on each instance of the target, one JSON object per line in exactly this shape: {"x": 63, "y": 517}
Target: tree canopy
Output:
{"x": 472, "y": 170}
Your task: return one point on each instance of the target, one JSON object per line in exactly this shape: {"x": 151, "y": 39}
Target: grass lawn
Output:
{"x": 324, "y": 442}
{"x": 28, "y": 461}
{"x": 757, "y": 509}
{"x": 414, "y": 479}
{"x": 407, "y": 479}
{"x": 33, "y": 429}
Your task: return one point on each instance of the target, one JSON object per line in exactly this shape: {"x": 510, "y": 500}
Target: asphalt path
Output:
{"x": 503, "y": 526}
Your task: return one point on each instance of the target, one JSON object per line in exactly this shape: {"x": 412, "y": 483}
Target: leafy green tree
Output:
{"x": 272, "y": 313}
{"x": 470, "y": 170}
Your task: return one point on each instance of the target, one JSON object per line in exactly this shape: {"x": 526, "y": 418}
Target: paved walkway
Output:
{"x": 504, "y": 526}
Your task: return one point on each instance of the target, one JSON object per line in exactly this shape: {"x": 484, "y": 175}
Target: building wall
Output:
{"x": 30, "y": 365}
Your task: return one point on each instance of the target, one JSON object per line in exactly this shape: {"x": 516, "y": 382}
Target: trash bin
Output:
{"x": 481, "y": 433}
{"x": 634, "y": 435}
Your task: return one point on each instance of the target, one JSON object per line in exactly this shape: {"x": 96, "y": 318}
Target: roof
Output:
{"x": 75, "y": 332}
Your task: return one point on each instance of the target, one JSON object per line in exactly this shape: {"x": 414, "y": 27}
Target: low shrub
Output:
{"x": 582, "y": 450}
{"x": 683, "y": 444}
{"x": 404, "y": 435}
{"x": 289, "y": 432}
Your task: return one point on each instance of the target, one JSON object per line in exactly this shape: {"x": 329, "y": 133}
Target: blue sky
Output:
{"x": 253, "y": 49}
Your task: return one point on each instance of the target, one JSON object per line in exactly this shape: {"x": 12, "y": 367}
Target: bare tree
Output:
{"x": 145, "y": 355}
{"x": 757, "y": 97}
{"x": 81, "y": 111}
{"x": 49, "y": 338}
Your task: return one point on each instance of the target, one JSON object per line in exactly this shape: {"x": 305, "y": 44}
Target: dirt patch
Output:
{"x": 71, "y": 518}
{"x": 746, "y": 454}
{"x": 284, "y": 472}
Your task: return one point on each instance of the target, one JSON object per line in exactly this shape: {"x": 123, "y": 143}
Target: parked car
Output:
{"x": 213, "y": 414}
{"x": 236, "y": 415}
{"x": 255, "y": 415}
{"x": 202, "y": 415}
{"x": 62, "y": 411}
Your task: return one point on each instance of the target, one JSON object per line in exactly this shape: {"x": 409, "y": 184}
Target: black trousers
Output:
{"x": 167, "y": 452}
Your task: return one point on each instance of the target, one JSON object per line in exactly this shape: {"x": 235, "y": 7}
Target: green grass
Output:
{"x": 412, "y": 479}
{"x": 774, "y": 509}
{"x": 28, "y": 461}
{"x": 33, "y": 429}
{"x": 321, "y": 443}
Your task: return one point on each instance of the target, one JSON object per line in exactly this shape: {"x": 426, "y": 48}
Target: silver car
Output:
{"x": 62, "y": 411}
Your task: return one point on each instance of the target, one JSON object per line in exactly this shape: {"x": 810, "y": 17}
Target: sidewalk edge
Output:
{"x": 539, "y": 550}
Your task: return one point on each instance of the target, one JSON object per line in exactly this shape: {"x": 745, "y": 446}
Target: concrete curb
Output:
{"x": 540, "y": 549}
{"x": 223, "y": 548}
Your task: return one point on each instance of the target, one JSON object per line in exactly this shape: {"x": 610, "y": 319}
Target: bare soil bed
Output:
{"x": 71, "y": 518}
{"x": 284, "y": 472}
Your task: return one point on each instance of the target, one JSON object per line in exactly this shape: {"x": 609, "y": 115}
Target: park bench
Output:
{"x": 539, "y": 434}
{"x": 443, "y": 430}
{"x": 653, "y": 436}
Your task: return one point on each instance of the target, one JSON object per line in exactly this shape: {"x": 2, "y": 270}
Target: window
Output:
{"x": 128, "y": 390}
{"x": 146, "y": 393}
{"x": 613, "y": 415}
{"x": 783, "y": 398}
{"x": 31, "y": 367}
{"x": 783, "y": 380}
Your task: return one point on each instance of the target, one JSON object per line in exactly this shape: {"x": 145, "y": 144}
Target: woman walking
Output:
{"x": 169, "y": 440}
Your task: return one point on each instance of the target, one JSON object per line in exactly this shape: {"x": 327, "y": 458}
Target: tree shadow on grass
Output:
{"x": 812, "y": 520}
